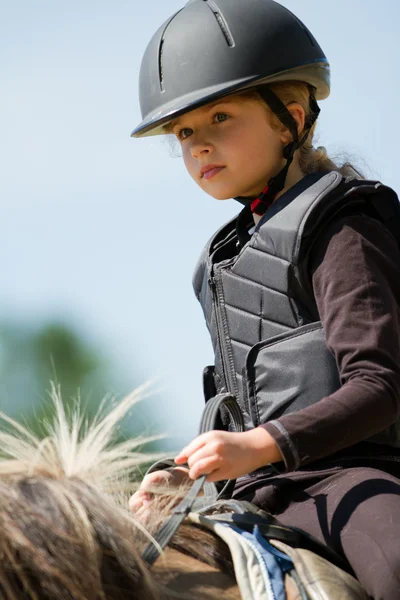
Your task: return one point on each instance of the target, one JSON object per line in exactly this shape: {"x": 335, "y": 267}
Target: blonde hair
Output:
{"x": 311, "y": 159}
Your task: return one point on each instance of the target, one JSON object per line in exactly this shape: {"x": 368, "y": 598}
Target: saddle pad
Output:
{"x": 321, "y": 579}
{"x": 259, "y": 568}
{"x": 257, "y": 577}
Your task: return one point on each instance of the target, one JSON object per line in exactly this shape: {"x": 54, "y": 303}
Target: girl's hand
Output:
{"x": 142, "y": 501}
{"x": 229, "y": 455}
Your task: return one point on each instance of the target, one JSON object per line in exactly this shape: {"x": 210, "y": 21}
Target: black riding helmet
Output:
{"x": 212, "y": 48}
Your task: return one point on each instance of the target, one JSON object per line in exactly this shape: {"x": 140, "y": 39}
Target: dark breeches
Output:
{"x": 355, "y": 511}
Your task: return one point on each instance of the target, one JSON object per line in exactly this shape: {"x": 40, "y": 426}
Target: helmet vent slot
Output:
{"x": 223, "y": 25}
{"x": 160, "y": 66}
{"x": 160, "y": 51}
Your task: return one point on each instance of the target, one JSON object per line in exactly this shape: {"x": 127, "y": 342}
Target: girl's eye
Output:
{"x": 219, "y": 117}
{"x": 184, "y": 133}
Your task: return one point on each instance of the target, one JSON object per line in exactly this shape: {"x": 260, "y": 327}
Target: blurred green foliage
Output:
{"x": 30, "y": 358}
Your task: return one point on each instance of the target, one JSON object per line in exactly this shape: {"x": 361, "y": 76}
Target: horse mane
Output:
{"x": 65, "y": 529}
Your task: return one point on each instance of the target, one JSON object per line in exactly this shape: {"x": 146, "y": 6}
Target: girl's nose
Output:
{"x": 200, "y": 147}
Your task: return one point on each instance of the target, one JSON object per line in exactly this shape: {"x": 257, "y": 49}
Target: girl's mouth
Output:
{"x": 210, "y": 171}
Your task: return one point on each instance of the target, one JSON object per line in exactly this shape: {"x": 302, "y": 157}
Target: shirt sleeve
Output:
{"x": 355, "y": 271}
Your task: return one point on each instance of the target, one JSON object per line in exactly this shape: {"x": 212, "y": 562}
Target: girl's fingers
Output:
{"x": 143, "y": 515}
{"x": 205, "y": 466}
{"x": 182, "y": 457}
{"x": 201, "y": 454}
{"x": 134, "y": 505}
{"x": 139, "y": 499}
{"x": 215, "y": 476}
{"x": 188, "y": 450}
{"x": 155, "y": 479}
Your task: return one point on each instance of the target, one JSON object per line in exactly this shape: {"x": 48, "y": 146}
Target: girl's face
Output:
{"x": 229, "y": 147}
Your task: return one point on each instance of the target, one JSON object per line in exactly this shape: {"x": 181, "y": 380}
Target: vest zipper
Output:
{"x": 223, "y": 334}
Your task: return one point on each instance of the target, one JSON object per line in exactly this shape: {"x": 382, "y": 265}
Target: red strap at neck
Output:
{"x": 259, "y": 206}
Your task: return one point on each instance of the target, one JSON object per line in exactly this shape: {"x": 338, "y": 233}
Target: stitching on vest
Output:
{"x": 292, "y": 336}
{"x": 228, "y": 345}
{"x": 262, "y": 251}
{"x": 239, "y": 343}
{"x": 255, "y": 405}
{"x": 275, "y": 322}
{"x": 260, "y": 328}
{"x": 264, "y": 287}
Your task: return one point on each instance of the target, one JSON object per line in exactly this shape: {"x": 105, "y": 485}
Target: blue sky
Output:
{"x": 103, "y": 231}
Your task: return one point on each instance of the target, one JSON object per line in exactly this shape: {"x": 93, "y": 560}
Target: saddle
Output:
{"x": 266, "y": 554}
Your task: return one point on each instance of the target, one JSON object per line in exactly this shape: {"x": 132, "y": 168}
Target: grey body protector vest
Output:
{"x": 269, "y": 344}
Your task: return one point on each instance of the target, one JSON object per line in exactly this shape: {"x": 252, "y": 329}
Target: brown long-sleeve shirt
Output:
{"x": 356, "y": 279}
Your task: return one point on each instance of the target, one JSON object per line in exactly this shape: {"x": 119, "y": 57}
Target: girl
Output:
{"x": 301, "y": 292}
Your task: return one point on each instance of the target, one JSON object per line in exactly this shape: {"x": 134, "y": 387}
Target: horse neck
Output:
{"x": 184, "y": 574}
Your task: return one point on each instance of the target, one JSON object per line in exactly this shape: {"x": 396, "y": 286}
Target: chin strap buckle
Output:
{"x": 260, "y": 205}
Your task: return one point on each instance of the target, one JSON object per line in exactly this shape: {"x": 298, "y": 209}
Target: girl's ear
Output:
{"x": 299, "y": 115}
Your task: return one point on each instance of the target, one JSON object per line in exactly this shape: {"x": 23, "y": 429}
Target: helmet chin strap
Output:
{"x": 260, "y": 205}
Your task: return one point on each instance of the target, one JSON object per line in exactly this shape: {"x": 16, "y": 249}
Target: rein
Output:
{"x": 207, "y": 423}
{"x": 234, "y": 512}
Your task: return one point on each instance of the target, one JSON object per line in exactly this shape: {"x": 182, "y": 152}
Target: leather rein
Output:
{"x": 207, "y": 423}
{"x": 234, "y": 512}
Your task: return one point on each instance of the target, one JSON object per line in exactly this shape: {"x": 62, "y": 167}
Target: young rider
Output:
{"x": 300, "y": 292}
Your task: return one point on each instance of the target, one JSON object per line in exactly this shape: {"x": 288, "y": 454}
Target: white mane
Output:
{"x": 74, "y": 448}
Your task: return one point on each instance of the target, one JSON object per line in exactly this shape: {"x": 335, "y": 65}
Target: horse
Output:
{"x": 65, "y": 528}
